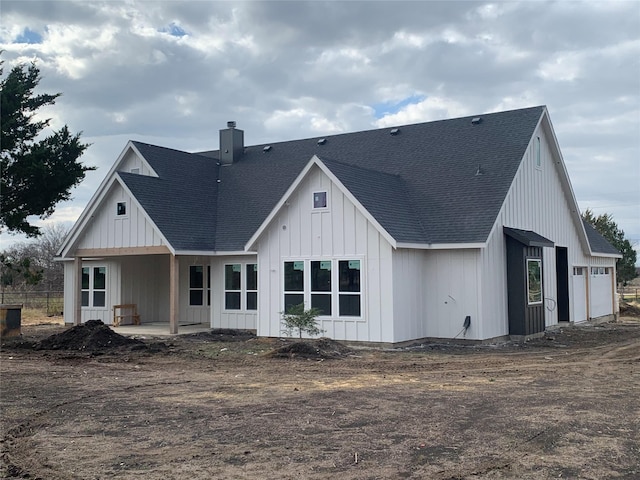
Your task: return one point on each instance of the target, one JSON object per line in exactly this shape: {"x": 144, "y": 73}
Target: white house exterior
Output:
{"x": 390, "y": 235}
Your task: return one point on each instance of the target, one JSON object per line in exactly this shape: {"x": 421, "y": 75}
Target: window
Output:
{"x": 196, "y": 285}
{"x": 121, "y": 209}
{"x": 320, "y": 200}
{"x": 331, "y": 286}
{"x": 600, "y": 270}
{"x": 232, "y": 286}
{"x": 94, "y": 286}
{"x": 534, "y": 281}
{"x": 293, "y": 284}
{"x": 537, "y": 153}
{"x": 349, "y": 281}
{"x": 321, "y": 286}
{"x": 578, "y": 271}
{"x": 252, "y": 286}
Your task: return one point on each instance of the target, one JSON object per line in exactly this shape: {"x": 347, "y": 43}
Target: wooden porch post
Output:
{"x": 174, "y": 292}
{"x": 77, "y": 290}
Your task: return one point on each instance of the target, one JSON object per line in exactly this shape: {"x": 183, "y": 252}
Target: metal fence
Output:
{"x": 50, "y": 301}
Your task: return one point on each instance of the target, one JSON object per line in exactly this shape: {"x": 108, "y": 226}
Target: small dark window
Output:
{"x": 232, "y": 286}
{"x": 196, "y": 285}
{"x": 121, "y": 209}
{"x": 320, "y": 200}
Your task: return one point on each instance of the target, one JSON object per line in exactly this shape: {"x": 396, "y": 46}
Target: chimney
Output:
{"x": 231, "y": 144}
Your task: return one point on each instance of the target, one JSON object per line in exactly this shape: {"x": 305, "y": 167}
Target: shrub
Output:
{"x": 304, "y": 321}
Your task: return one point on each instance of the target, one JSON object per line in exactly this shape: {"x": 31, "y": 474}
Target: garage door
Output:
{"x": 601, "y": 292}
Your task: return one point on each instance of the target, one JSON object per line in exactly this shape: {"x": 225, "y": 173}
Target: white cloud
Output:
{"x": 174, "y": 72}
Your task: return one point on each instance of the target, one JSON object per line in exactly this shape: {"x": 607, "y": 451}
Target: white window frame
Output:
{"x": 313, "y": 201}
{"x": 91, "y": 290}
{"x": 335, "y": 286}
{"x": 125, "y": 204}
{"x": 243, "y": 291}
{"x": 247, "y": 290}
{"x": 201, "y": 289}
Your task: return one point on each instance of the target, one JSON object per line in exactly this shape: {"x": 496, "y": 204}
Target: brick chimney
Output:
{"x": 231, "y": 144}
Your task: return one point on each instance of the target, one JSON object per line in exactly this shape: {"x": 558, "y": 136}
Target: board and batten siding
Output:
{"x": 145, "y": 282}
{"x": 132, "y": 163}
{"x": 242, "y": 319}
{"x": 536, "y": 201}
{"x": 339, "y": 232}
{"x": 109, "y": 230}
{"x": 433, "y": 292}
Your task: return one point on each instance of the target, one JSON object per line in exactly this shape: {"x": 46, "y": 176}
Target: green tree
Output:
{"x": 37, "y": 173}
{"x": 304, "y": 321}
{"x": 604, "y": 224}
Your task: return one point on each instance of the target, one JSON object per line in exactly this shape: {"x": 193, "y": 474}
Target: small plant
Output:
{"x": 302, "y": 320}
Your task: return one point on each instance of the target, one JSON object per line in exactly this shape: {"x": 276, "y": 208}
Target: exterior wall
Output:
{"x": 339, "y": 232}
{"x": 220, "y": 317}
{"x": 145, "y": 282}
{"x": 433, "y": 292}
{"x": 108, "y": 230}
{"x": 537, "y": 202}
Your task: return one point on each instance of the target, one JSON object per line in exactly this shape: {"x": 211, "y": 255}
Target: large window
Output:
{"x": 232, "y": 286}
{"x": 534, "y": 281}
{"x": 241, "y": 289}
{"x": 94, "y": 286}
{"x": 349, "y": 288}
{"x": 332, "y": 286}
{"x": 196, "y": 285}
{"x": 293, "y": 284}
{"x": 252, "y": 286}
{"x": 321, "y": 286}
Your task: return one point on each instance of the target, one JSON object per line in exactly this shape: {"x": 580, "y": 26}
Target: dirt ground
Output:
{"x": 225, "y": 406}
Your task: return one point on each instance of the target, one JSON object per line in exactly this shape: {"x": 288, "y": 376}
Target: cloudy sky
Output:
{"x": 173, "y": 72}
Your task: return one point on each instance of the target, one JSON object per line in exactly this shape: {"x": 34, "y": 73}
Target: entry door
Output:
{"x": 562, "y": 283}
{"x": 579, "y": 294}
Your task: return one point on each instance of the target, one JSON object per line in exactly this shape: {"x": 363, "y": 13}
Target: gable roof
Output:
{"x": 182, "y": 200}
{"x": 427, "y": 171}
{"x": 440, "y": 182}
{"x": 599, "y": 244}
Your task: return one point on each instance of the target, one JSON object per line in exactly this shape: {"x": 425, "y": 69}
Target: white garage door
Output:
{"x": 601, "y": 292}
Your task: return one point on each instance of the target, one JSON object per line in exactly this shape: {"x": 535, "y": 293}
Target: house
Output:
{"x": 466, "y": 227}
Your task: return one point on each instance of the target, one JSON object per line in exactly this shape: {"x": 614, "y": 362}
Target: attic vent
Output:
{"x": 394, "y": 131}
{"x": 322, "y": 141}
{"x": 476, "y": 120}
{"x": 266, "y": 148}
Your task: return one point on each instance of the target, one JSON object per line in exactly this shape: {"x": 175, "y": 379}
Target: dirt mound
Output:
{"x": 92, "y": 336}
{"x": 629, "y": 309}
{"x": 320, "y": 349}
{"x": 222, "y": 335}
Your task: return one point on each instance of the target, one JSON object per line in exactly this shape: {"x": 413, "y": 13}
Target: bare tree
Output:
{"x": 29, "y": 264}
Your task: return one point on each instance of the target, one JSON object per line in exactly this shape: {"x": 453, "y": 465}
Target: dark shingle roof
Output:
{"x": 421, "y": 184}
{"x": 598, "y": 243}
{"x": 182, "y": 199}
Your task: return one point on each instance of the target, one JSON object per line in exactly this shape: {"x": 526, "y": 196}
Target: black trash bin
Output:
{"x": 10, "y": 320}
